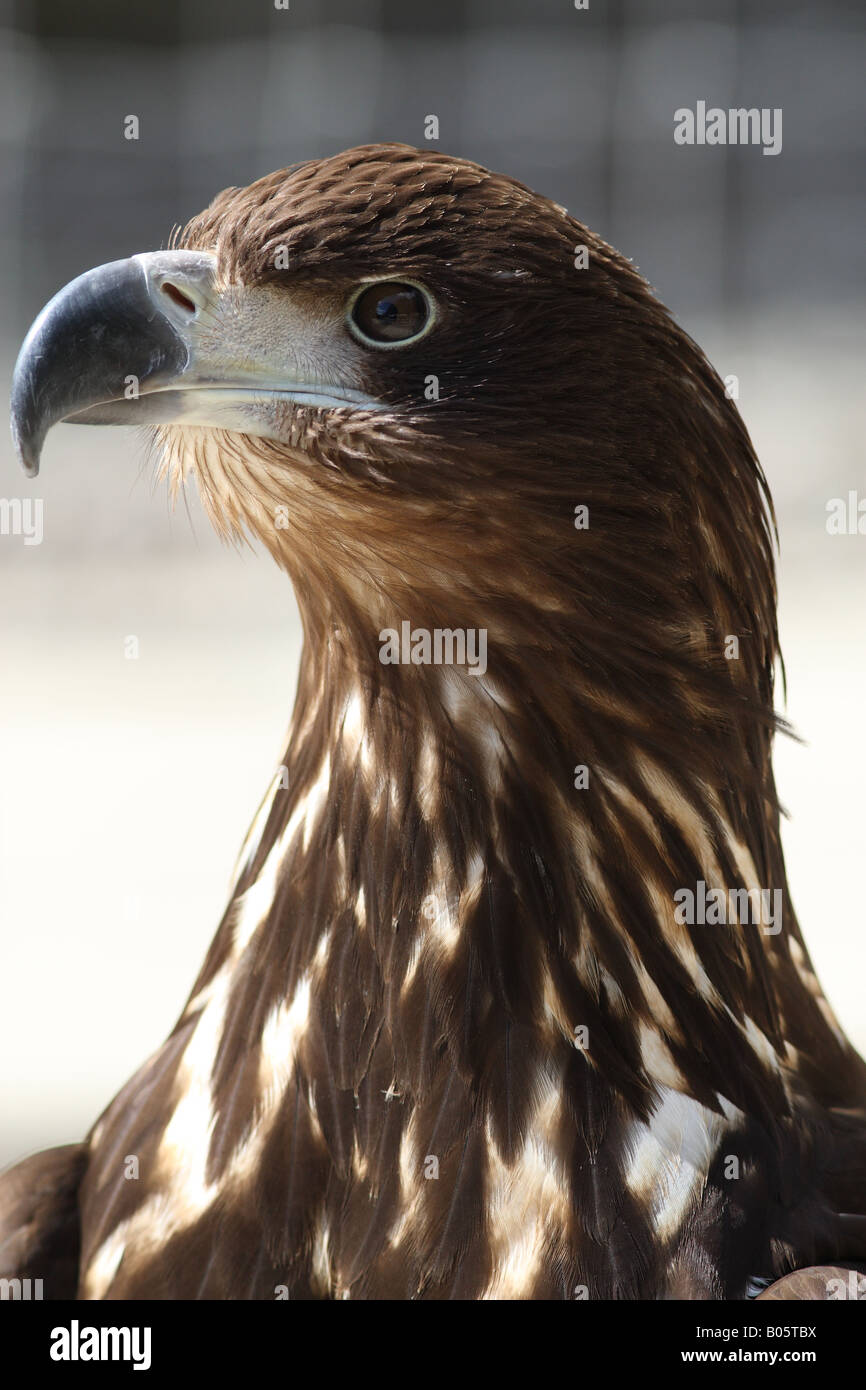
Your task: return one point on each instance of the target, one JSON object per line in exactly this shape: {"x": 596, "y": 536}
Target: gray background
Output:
{"x": 126, "y": 787}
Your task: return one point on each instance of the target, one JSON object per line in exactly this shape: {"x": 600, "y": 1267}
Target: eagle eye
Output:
{"x": 390, "y": 313}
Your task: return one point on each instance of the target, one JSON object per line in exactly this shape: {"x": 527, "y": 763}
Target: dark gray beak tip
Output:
{"x": 100, "y": 329}
{"x": 27, "y": 440}
{"x": 30, "y": 465}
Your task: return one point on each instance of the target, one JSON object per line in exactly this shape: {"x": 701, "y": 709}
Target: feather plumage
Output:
{"x": 377, "y": 1088}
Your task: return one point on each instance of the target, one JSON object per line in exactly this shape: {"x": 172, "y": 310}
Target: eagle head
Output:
{"x": 430, "y": 391}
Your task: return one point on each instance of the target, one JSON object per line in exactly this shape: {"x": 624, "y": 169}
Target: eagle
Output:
{"x": 477, "y": 1022}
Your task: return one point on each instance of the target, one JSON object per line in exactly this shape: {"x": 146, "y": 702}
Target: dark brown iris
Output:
{"x": 390, "y": 312}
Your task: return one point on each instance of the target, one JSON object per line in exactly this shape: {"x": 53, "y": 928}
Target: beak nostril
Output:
{"x": 181, "y": 299}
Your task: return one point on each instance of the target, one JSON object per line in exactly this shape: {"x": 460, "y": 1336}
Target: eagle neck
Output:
{"x": 438, "y": 856}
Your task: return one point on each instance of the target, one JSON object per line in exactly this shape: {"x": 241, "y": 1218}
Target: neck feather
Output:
{"x": 446, "y": 856}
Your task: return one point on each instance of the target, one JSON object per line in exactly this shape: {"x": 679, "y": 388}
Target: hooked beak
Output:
{"x": 140, "y": 342}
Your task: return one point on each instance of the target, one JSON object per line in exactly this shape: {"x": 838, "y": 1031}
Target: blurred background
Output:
{"x": 126, "y": 785}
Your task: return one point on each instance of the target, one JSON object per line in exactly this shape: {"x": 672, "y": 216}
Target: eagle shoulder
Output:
{"x": 40, "y": 1227}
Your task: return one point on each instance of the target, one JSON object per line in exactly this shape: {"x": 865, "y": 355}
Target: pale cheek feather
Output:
{"x": 559, "y": 1026}
{"x": 527, "y": 1201}
{"x": 254, "y": 905}
{"x": 631, "y": 803}
{"x": 671, "y": 1155}
{"x": 657, "y": 1006}
{"x": 104, "y": 1265}
{"x": 440, "y": 923}
{"x": 254, "y": 834}
{"x": 656, "y": 1058}
{"x": 310, "y": 806}
{"x": 443, "y": 914}
{"x": 476, "y": 706}
{"x": 668, "y": 794}
{"x": 281, "y": 1038}
{"x": 680, "y": 942}
{"x": 357, "y": 746}
{"x": 321, "y": 1266}
{"x": 761, "y": 1045}
{"x": 182, "y": 1155}
{"x": 181, "y": 1190}
{"x": 429, "y": 774}
{"x": 412, "y": 1185}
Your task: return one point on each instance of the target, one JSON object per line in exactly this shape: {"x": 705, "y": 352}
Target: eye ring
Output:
{"x": 364, "y": 306}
